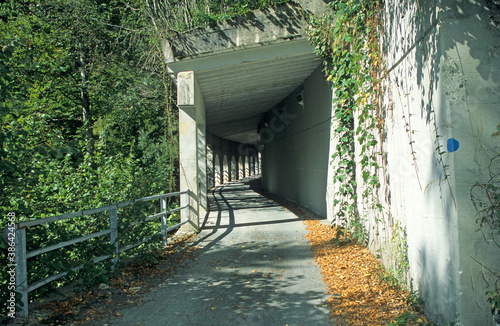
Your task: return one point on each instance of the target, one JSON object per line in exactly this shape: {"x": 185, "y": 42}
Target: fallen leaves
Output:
{"x": 358, "y": 297}
{"x": 124, "y": 289}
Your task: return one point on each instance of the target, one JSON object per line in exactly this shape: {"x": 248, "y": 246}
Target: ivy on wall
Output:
{"x": 347, "y": 40}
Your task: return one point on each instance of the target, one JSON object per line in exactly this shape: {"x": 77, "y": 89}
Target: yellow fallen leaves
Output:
{"x": 358, "y": 297}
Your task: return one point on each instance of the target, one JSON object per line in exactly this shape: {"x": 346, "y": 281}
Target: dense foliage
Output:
{"x": 83, "y": 122}
{"x": 87, "y": 116}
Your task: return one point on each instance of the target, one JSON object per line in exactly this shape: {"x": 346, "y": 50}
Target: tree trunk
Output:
{"x": 187, "y": 14}
{"x": 86, "y": 110}
{"x": 170, "y": 137}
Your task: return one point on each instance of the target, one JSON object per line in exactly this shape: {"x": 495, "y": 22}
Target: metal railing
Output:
{"x": 22, "y": 256}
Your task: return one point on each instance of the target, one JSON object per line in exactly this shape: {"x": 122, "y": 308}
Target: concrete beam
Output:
{"x": 258, "y": 59}
{"x": 257, "y": 28}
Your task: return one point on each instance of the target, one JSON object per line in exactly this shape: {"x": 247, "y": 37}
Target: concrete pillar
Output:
{"x": 258, "y": 163}
{"x": 210, "y": 168}
{"x": 241, "y": 167}
{"x": 248, "y": 162}
{"x": 234, "y": 168}
{"x": 247, "y": 165}
{"x": 252, "y": 164}
{"x": 255, "y": 164}
{"x": 192, "y": 148}
{"x": 223, "y": 167}
{"x": 217, "y": 173}
{"x": 225, "y": 170}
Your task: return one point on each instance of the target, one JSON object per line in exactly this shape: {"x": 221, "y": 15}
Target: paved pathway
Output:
{"x": 255, "y": 268}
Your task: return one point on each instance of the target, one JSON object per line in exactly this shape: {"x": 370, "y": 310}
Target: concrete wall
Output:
{"x": 295, "y": 137}
{"x": 446, "y": 89}
{"x": 470, "y": 85}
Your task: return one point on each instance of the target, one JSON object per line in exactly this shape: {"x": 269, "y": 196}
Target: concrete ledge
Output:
{"x": 257, "y": 28}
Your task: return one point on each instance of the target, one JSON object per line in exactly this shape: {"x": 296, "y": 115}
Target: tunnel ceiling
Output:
{"x": 244, "y": 68}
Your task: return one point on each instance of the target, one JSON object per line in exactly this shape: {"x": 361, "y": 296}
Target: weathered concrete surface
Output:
{"x": 255, "y": 268}
{"x": 254, "y": 29}
{"x": 192, "y": 149}
{"x": 443, "y": 85}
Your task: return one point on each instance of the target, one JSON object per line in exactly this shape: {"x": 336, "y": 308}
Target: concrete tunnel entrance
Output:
{"x": 252, "y": 100}
{"x": 252, "y": 87}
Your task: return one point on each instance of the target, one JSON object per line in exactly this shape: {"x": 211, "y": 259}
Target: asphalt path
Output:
{"x": 254, "y": 267}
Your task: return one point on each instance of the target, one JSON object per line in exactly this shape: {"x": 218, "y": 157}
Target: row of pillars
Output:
{"x": 226, "y": 168}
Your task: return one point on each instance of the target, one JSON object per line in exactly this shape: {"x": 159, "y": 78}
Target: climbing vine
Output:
{"x": 347, "y": 40}
{"x": 486, "y": 199}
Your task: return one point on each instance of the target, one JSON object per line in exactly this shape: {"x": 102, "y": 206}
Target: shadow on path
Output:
{"x": 253, "y": 267}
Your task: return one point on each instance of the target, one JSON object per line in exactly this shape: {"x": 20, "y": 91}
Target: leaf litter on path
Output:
{"x": 358, "y": 296}
{"x": 104, "y": 300}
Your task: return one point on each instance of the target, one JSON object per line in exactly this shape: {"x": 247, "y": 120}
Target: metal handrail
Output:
{"x": 22, "y": 255}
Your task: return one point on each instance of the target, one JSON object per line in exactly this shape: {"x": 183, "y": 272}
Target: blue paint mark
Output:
{"x": 453, "y": 145}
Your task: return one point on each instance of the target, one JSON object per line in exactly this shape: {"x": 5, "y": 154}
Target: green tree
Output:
{"x": 72, "y": 70}
{"x": 87, "y": 114}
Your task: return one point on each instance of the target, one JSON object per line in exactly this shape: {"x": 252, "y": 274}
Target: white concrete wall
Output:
{"x": 295, "y": 157}
{"x": 470, "y": 81}
{"x": 421, "y": 198}
{"x": 447, "y": 87}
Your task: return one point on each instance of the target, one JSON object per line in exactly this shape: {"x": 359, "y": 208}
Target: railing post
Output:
{"x": 163, "y": 208}
{"x": 186, "y": 202}
{"x": 21, "y": 271}
{"x": 113, "y": 236}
